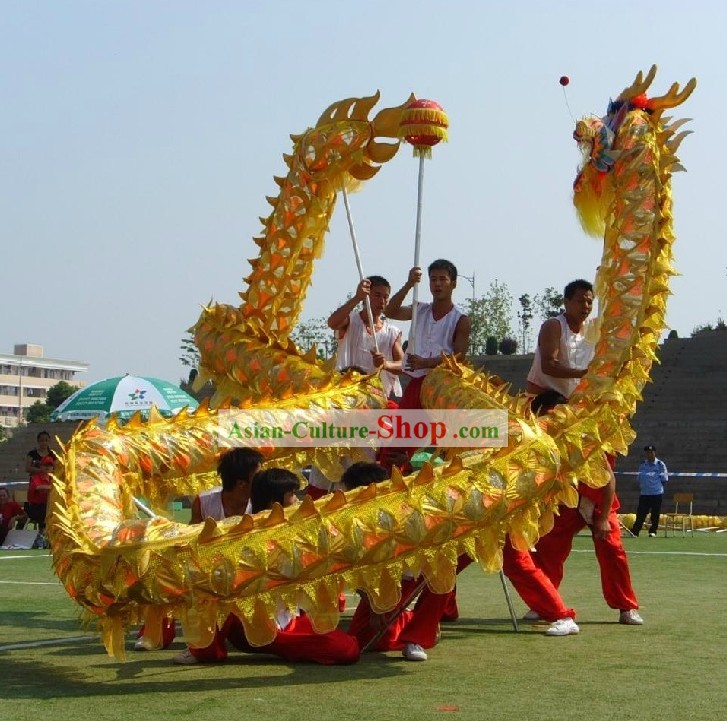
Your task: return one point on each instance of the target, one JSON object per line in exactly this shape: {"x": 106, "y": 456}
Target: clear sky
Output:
{"x": 138, "y": 141}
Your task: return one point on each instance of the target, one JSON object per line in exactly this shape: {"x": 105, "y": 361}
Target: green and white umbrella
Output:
{"x": 123, "y": 395}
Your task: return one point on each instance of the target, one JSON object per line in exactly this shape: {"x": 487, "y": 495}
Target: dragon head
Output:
{"x": 598, "y": 139}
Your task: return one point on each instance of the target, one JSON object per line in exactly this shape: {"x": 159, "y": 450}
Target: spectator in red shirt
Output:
{"x": 10, "y": 513}
{"x": 38, "y": 491}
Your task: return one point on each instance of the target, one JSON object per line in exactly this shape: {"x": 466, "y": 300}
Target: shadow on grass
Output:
{"x": 155, "y": 672}
{"x": 34, "y": 620}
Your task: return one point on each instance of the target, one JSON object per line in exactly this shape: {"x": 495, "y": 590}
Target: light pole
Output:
{"x": 471, "y": 281}
{"x": 20, "y": 392}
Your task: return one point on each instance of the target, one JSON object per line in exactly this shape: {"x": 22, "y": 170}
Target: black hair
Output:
{"x": 379, "y": 280}
{"x": 445, "y": 265}
{"x": 42, "y": 433}
{"x": 239, "y": 464}
{"x": 574, "y": 285}
{"x": 271, "y": 486}
{"x": 546, "y": 401}
{"x": 363, "y": 474}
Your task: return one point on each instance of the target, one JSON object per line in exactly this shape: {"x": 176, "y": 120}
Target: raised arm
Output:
{"x": 338, "y": 320}
{"x": 394, "y": 309}
{"x": 549, "y": 346}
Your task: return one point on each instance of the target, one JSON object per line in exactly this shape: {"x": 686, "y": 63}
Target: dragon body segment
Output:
{"x": 124, "y": 570}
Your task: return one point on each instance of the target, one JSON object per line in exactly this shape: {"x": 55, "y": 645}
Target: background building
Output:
{"x": 26, "y": 376}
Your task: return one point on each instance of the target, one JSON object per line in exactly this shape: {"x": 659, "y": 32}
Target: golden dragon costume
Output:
{"x": 124, "y": 570}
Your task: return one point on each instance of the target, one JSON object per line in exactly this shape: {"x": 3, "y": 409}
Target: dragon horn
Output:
{"x": 674, "y": 97}
{"x": 639, "y": 86}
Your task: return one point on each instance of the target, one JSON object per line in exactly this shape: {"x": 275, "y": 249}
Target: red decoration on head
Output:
{"x": 564, "y": 80}
{"x": 423, "y": 124}
{"x": 640, "y": 101}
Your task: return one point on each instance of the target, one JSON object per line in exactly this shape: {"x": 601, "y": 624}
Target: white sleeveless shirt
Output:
{"x": 431, "y": 337}
{"x": 354, "y": 349}
{"x": 210, "y": 504}
{"x": 574, "y": 351}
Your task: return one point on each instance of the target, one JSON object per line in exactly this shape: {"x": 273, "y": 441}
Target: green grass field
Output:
{"x": 675, "y": 666}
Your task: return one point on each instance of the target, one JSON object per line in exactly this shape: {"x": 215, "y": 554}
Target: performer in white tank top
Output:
{"x": 433, "y": 337}
{"x": 357, "y": 346}
{"x": 439, "y": 327}
{"x": 563, "y": 352}
{"x": 210, "y": 504}
{"x": 355, "y": 336}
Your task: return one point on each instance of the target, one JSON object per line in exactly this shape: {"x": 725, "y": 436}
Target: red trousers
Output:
{"x": 532, "y": 585}
{"x": 169, "y": 632}
{"x": 411, "y": 397}
{"x": 297, "y": 642}
{"x": 418, "y": 626}
{"x": 553, "y": 549}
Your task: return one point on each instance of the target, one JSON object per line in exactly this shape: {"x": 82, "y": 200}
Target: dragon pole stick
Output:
{"x": 357, "y": 256}
{"x": 417, "y": 252}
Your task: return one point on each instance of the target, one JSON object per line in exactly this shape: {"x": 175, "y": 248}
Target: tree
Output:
{"x": 508, "y": 346}
{"x": 490, "y": 316}
{"x": 549, "y": 303}
{"x": 38, "y": 413}
{"x": 190, "y": 352}
{"x": 525, "y": 316}
{"x": 315, "y": 332}
{"x": 59, "y": 393}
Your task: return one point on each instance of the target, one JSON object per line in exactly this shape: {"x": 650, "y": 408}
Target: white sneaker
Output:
{"x": 145, "y": 644}
{"x": 652, "y": 535}
{"x": 563, "y": 627}
{"x": 414, "y": 652}
{"x": 532, "y": 616}
{"x": 186, "y": 658}
{"x": 630, "y": 618}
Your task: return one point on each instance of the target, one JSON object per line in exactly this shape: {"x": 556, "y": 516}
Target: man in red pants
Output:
{"x": 296, "y": 639}
{"x": 596, "y": 509}
{"x": 411, "y": 631}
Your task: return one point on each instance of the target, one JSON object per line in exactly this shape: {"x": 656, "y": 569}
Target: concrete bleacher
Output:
{"x": 14, "y": 450}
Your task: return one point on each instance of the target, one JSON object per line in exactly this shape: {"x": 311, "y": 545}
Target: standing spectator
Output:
{"x": 10, "y": 513}
{"x": 652, "y": 477}
{"x": 35, "y": 455}
{"x": 38, "y": 490}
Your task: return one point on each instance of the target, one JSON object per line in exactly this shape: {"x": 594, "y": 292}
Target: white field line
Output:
{"x": 34, "y": 583}
{"x": 12, "y": 558}
{"x": 629, "y": 552}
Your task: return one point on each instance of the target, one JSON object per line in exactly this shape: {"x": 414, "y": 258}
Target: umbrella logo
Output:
{"x": 137, "y": 395}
